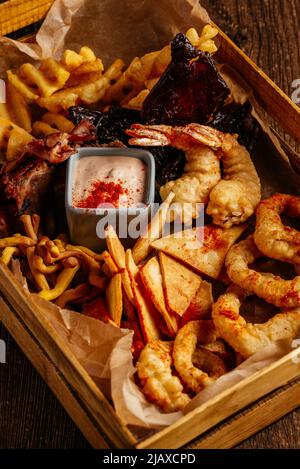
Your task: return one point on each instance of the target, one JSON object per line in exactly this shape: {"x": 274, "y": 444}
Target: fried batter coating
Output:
{"x": 271, "y": 236}
{"x": 272, "y": 288}
{"x": 158, "y": 383}
{"x": 186, "y": 356}
{"x": 247, "y": 338}
{"x": 235, "y": 198}
{"x": 202, "y": 169}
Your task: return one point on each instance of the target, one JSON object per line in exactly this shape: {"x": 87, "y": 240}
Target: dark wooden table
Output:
{"x": 30, "y": 416}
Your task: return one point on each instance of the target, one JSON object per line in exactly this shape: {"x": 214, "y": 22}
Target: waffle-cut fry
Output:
{"x": 39, "y": 278}
{"x": 64, "y": 279}
{"x": 72, "y": 294}
{"x": 13, "y": 139}
{"x": 72, "y": 60}
{"x": 114, "y": 299}
{"x": 18, "y": 108}
{"x": 8, "y": 253}
{"x": 205, "y": 41}
{"x": 51, "y": 123}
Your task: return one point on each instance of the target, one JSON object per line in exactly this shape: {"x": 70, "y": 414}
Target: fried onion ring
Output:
{"x": 158, "y": 383}
{"x": 272, "y": 288}
{"x": 246, "y": 338}
{"x": 184, "y": 353}
{"x": 271, "y": 236}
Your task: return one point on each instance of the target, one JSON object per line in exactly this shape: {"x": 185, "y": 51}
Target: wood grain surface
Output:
{"x": 30, "y": 417}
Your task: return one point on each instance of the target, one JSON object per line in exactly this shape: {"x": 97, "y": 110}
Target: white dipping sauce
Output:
{"x": 124, "y": 173}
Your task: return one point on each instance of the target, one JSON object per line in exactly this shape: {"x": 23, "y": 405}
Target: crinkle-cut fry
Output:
{"x": 21, "y": 86}
{"x": 153, "y": 232}
{"x": 28, "y": 227}
{"x": 18, "y": 108}
{"x": 8, "y": 253}
{"x": 17, "y": 240}
{"x": 154, "y": 369}
{"x": 184, "y": 348}
{"x": 73, "y": 294}
{"x": 39, "y": 278}
{"x": 64, "y": 279}
{"x": 247, "y": 338}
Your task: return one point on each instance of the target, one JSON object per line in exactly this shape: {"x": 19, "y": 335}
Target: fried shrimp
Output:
{"x": 271, "y": 236}
{"x": 234, "y": 199}
{"x": 186, "y": 357}
{"x": 158, "y": 383}
{"x": 202, "y": 169}
{"x": 272, "y": 288}
{"x": 246, "y": 338}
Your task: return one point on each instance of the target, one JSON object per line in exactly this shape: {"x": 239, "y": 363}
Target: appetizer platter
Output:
{"x": 141, "y": 329}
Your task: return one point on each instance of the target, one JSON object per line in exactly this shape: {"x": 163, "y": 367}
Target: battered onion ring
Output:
{"x": 271, "y": 236}
{"x": 158, "y": 383}
{"x": 184, "y": 352}
{"x": 246, "y": 338}
{"x": 273, "y": 289}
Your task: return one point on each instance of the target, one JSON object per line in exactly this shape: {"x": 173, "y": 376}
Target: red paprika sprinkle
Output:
{"x": 102, "y": 193}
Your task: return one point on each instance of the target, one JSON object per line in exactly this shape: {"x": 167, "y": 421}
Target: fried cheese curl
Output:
{"x": 234, "y": 199}
{"x": 273, "y": 238}
{"x": 202, "y": 170}
{"x": 247, "y": 338}
{"x": 186, "y": 356}
{"x": 272, "y": 288}
{"x": 155, "y": 374}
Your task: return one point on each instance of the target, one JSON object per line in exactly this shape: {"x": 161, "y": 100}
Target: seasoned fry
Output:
{"x": 142, "y": 247}
{"x": 8, "y": 253}
{"x": 38, "y": 277}
{"x": 17, "y": 240}
{"x": 114, "y": 299}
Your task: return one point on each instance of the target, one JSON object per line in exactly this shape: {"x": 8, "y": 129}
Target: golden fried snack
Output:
{"x": 272, "y": 238}
{"x": 114, "y": 299}
{"x": 202, "y": 170}
{"x": 64, "y": 279}
{"x": 87, "y": 92}
{"x": 273, "y": 289}
{"x": 13, "y": 139}
{"x": 38, "y": 277}
{"x": 247, "y": 338}
{"x": 52, "y": 122}
{"x": 205, "y": 41}
{"x": 8, "y": 253}
{"x": 193, "y": 333}
{"x": 28, "y": 227}
{"x": 157, "y": 382}
{"x": 16, "y": 240}
{"x": 94, "y": 270}
{"x": 18, "y": 108}
{"x": 154, "y": 230}
{"x": 234, "y": 199}
{"x": 40, "y": 266}
{"x": 72, "y": 295}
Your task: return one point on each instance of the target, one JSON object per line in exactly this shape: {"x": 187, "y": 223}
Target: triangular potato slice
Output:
{"x": 145, "y": 308}
{"x": 201, "y": 305}
{"x": 180, "y": 284}
{"x": 206, "y": 257}
{"x": 153, "y": 282}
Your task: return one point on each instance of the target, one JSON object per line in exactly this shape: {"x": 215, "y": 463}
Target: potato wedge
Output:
{"x": 153, "y": 282}
{"x": 180, "y": 284}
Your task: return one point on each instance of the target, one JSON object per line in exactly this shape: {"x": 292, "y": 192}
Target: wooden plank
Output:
{"x": 16, "y": 14}
{"x": 253, "y": 419}
{"x": 226, "y": 403}
{"x": 51, "y": 376}
{"x": 59, "y": 353}
{"x": 269, "y": 96}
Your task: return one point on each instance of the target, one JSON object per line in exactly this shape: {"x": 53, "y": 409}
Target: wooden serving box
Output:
{"x": 223, "y": 421}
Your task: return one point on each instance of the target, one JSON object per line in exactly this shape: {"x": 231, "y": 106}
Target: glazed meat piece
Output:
{"x": 190, "y": 90}
{"x": 27, "y": 185}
